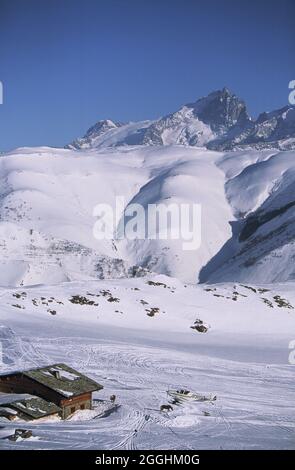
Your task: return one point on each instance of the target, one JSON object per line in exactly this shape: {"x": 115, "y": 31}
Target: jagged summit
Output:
{"x": 102, "y": 126}
{"x": 220, "y": 109}
{"x": 219, "y": 121}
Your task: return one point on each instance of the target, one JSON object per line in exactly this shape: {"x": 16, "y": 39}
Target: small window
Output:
{"x": 73, "y": 409}
{"x": 82, "y": 407}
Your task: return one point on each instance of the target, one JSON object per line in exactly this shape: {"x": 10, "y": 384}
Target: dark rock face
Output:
{"x": 221, "y": 110}
{"x": 279, "y": 124}
{"x": 269, "y": 130}
{"x": 256, "y": 220}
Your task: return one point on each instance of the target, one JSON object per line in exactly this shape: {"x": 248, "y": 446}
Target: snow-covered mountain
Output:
{"x": 129, "y": 312}
{"x": 47, "y": 197}
{"x": 261, "y": 194}
{"x": 107, "y": 133}
{"x": 271, "y": 130}
{"x": 219, "y": 121}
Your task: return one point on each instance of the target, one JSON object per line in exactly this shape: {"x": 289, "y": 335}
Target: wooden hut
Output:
{"x": 58, "y": 384}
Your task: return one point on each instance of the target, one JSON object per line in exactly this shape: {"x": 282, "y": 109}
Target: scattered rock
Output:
{"x": 53, "y": 312}
{"x": 109, "y": 296}
{"x": 200, "y": 326}
{"x": 152, "y": 311}
{"x": 80, "y": 300}
{"x": 19, "y": 295}
{"x": 113, "y": 299}
{"x": 267, "y": 302}
{"x": 159, "y": 284}
{"x": 282, "y": 302}
{"x": 18, "y": 306}
{"x": 236, "y": 293}
{"x": 250, "y": 288}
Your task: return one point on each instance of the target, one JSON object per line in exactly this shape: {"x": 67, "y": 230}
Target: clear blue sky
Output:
{"x": 65, "y": 64}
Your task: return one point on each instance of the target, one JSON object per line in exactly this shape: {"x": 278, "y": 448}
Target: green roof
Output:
{"x": 63, "y": 380}
{"x": 34, "y": 407}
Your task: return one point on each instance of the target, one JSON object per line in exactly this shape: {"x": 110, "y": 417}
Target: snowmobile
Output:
{"x": 182, "y": 396}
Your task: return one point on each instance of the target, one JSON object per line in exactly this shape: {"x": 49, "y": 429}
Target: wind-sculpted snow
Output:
{"x": 262, "y": 247}
{"x": 47, "y": 198}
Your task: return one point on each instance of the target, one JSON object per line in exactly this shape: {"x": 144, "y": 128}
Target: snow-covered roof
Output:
{"x": 33, "y": 407}
{"x": 61, "y": 378}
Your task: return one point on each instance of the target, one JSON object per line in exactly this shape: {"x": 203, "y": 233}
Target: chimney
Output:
{"x": 56, "y": 374}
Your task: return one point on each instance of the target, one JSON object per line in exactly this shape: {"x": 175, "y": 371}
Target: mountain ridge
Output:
{"x": 219, "y": 121}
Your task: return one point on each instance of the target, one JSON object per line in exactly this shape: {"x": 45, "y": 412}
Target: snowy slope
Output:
{"x": 107, "y": 133}
{"x": 46, "y": 202}
{"x": 47, "y": 197}
{"x": 263, "y": 243}
{"x": 137, "y": 356}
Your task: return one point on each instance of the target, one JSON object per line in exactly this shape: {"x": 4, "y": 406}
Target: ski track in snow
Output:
{"x": 251, "y": 409}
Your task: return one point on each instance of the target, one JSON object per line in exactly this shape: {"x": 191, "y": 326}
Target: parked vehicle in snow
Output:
{"x": 185, "y": 395}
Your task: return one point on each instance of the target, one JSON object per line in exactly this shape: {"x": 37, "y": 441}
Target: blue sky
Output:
{"x": 65, "y": 64}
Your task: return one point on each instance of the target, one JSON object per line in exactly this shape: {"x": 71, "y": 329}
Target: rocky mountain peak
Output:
{"x": 220, "y": 109}
{"x": 101, "y": 126}
{"x": 218, "y": 121}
